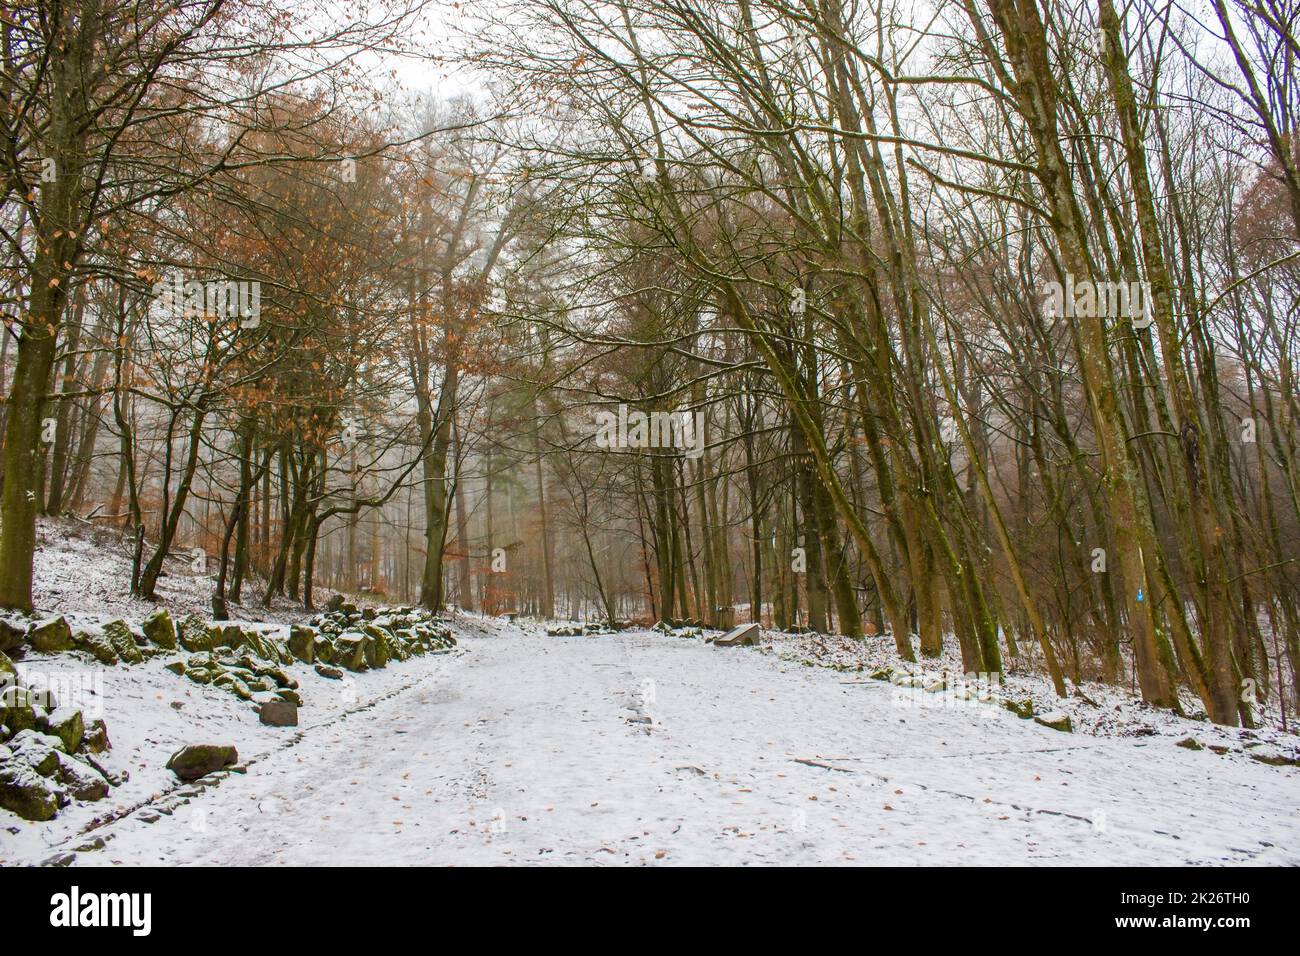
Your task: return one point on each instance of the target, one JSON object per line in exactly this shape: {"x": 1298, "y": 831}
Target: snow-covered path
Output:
{"x": 535, "y": 749}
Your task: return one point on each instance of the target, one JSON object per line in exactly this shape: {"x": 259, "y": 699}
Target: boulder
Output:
{"x": 746, "y": 635}
{"x": 97, "y": 645}
{"x": 1023, "y": 709}
{"x": 280, "y": 677}
{"x": 1056, "y": 721}
{"x": 68, "y": 725}
{"x": 377, "y": 650}
{"x": 329, "y": 673}
{"x": 176, "y": 667}
{"x": 114, "y": 779}
{"x": 123, "y": 641}
{"x": 8, "y": 672}
{"x": 19, "y": 709}
{"x": 26, "y": 793}
{"x": 12, "y": 635}
{"x": 95, "y": 740}
{"x": 266, "y": 647}
{"x": 80, "y": 779}
{"x": 278, "y": 713}
{"x": 302, "y": 643}
{"x": 160, "y": 630}
{"x": 350, "y": 650}
{"x": 323, "y": 648}
{"x": 195, "y": 635}
{"x": 198, "y": 760}
{"x": 233, "y": 684}
{"x": 253, "y": 669}
{"x": 292, "y": 696}
{"x": 51, "y": 637}
{"x": 39, "y": 751}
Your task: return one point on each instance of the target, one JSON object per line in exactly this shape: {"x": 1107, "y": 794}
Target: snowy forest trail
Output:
{"x": 640, "y": 748}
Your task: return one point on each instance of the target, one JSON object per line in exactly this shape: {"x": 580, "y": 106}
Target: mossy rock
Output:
{"x": 20, "y": 709}
{"x": 25, "y": 792}
{"x": 13, "y": 635}
{"x": 39, "y": 751}
{"x": 68, "y": 724}
{"x": 95, "y": 740}
{"x": 280, "y": 677}
{"x": 200, "y": 675}
{"x": 323, "y": 648}
{"x": 160, "y": 630}
{"x": 51, "y": 637}
{"x": 376, "y": 648}
{"x": 350, "y": 650}
{"x": 194, "y": 634}
{"x": 1059, "y": 722}
{"x": 302, "y": 644}
{"x": 96, "y": 645}
{"x": 1276, "y": 760}
{"x": 1190, "y": 743}
{"x": 236, "y": 686}
{"x": 8, "y": 672}
{"x": 80, "y": 779}
{"x": 1024, "y": 709}
{"x": 199, "y": 760}
{"x": 123, "y": 641}
{"x": 176, "y": 667}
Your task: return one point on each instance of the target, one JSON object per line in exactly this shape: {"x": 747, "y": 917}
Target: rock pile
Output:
{"x": 249, "y": 663}
{"x": 49, "y": 755}
{"x": 358, "y": 639}
{"x": 680, "y": 629}
{"x": 113, "y": 643}
{"x": 591, "y": 628}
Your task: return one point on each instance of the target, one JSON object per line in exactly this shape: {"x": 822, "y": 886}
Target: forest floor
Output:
{"x": 646, "y": 748}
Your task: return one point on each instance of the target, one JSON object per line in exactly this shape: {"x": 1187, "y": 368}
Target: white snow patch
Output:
{"x": 642, "y": 748}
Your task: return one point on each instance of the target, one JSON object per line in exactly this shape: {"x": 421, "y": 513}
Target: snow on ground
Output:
{"x": 151, "y": 712}
{"x": 1093, "y": 707}
{"x": 644, "y": 748}
{"x": 82, "y": 568}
